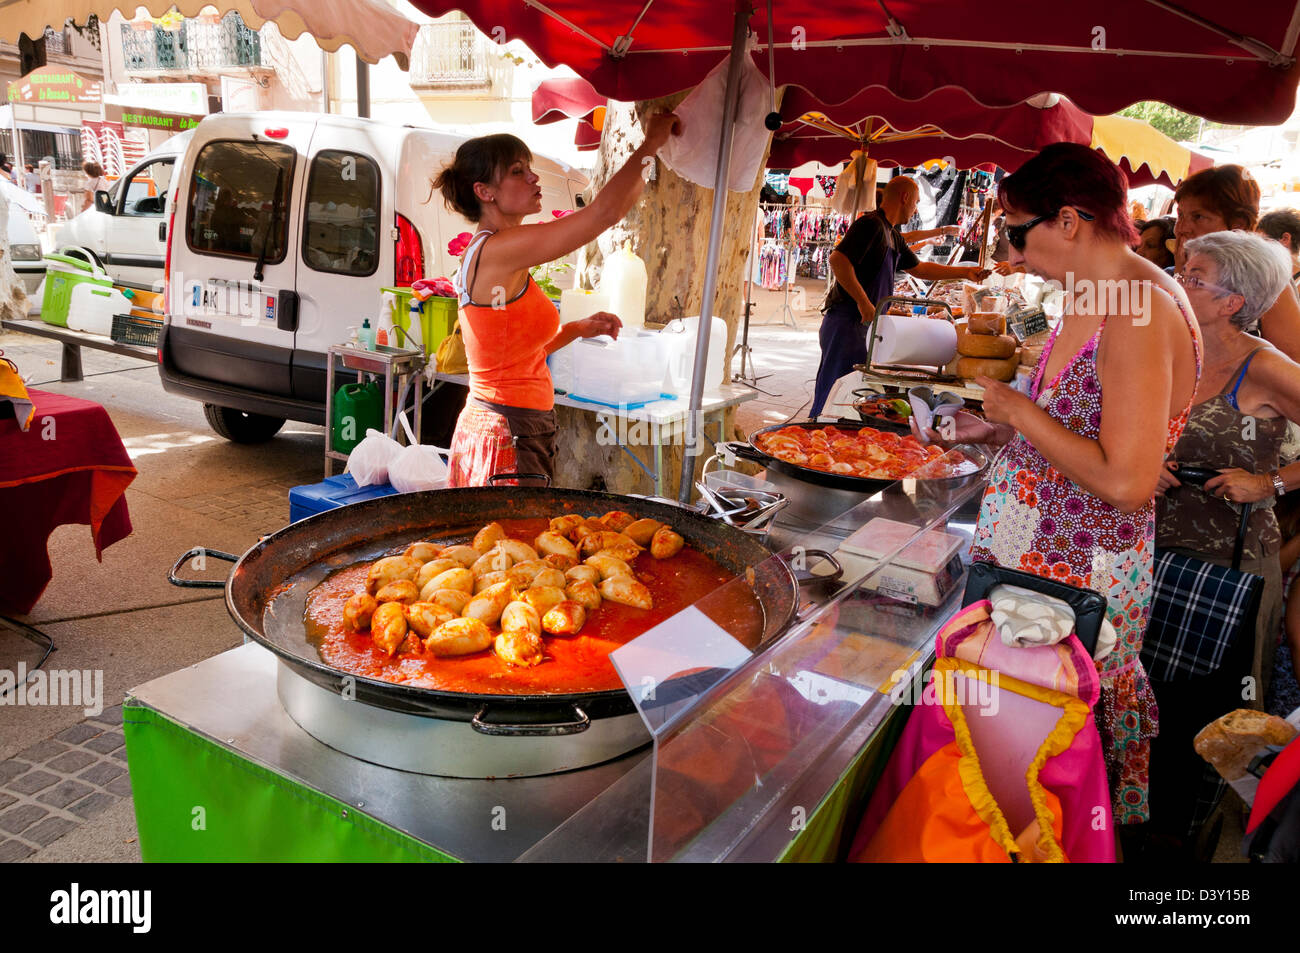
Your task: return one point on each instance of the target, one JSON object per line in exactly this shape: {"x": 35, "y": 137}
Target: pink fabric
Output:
{"x": 1077, "y": 776}
{"x": 1064, "y": 667}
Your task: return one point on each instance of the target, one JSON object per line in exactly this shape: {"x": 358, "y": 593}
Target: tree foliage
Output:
{"x": 1174, "y": 123}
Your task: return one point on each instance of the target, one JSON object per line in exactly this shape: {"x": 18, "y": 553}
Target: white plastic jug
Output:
{"x": 679, "y": 337}
{"x": 91, "y": 308}
{"x": 624, "y": 281}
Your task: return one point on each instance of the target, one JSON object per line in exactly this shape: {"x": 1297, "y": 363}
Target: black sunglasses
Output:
{"x": 1016, "y": 233}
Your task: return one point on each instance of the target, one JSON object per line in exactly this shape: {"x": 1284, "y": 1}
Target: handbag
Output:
{"x": 1198, "y": 609}
{"x": 451, "y": 357}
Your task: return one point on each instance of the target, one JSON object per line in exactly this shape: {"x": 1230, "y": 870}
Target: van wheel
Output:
{"x": 241, "y": 427}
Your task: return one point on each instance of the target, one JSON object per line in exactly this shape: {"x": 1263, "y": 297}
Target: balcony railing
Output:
{"x": 451, "y": 55}
{"x": 195, "y": 46}
{"x": 56, "y": 41}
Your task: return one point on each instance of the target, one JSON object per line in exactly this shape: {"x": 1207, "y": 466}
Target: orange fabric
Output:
{"x": 506, "y": 350}
{"x": 933, "y": 820}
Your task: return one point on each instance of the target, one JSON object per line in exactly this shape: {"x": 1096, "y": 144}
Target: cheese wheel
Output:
{"x": 1000, "y": 369}
{"x": 1029, "y": 354}
{"x": 985, "y": 345}
{"x": 987, "y": 322}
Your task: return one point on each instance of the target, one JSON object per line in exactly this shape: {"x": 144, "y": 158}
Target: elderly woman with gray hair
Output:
{"x": 1247, "y": 393}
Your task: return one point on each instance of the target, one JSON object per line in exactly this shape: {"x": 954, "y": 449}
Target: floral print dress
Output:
{"x": 1035, "y": 519}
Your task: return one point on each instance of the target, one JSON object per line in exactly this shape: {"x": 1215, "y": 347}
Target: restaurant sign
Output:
{"x": 150, "y": 118}
{"x": 52, "y": 84}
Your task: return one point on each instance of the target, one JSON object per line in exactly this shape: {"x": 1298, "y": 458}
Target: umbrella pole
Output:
{"x": 363, "y": 88}
{"x": 721, "y": 175}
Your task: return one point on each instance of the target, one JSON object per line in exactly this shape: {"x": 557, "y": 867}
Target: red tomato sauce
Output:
{"x": 573, "y": 663}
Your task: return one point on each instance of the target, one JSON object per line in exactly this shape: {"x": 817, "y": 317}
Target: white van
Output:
{"x": 283, "y": 227}
{"x": 126, "y": 228}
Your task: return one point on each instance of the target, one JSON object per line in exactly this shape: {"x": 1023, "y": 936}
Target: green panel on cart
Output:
{"x": 197, "y": 802}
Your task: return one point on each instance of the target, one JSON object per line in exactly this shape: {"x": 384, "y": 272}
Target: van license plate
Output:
{"x": 251, "y": 303}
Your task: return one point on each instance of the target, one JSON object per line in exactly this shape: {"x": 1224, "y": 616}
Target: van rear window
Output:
{"x": 341, "y": 220}
{"x": 239, "y": 197}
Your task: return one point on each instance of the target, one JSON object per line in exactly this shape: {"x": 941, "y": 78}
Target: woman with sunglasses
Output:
{"x": 1071, "y": 496}
{"x": 1247, "y": 394}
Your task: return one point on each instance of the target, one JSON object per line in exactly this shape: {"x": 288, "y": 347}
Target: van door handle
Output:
{"x": 162, "y": 231}
{"x": 287, "y": 311}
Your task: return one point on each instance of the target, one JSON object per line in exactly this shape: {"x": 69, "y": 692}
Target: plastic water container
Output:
{"x": 679, "y": 341}
{"x": 91, "y": 308}
{"x": 624, "y": 372}
{"x": 623, "y": 279}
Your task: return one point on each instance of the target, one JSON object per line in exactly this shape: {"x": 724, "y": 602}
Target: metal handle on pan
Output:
{"x": 805, "y": 577}
{"x": 744, "y": 451}
{"x": 581, "y": 724}
{"x": 198, "y": 583}
{"x": 520, "y": 476}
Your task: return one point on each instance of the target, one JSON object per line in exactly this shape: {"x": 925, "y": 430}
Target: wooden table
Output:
{"x": 74, "y": 341}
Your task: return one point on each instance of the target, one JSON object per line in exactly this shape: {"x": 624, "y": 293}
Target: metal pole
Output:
{"x": 691, "y": 449}
{"x": 363, "y": 89}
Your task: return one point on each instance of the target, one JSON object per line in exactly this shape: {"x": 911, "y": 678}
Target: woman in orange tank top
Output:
{"x": 509, "y": 325}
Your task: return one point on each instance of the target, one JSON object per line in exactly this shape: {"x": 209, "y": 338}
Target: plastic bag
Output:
{"x": 370, "y": 460}
{"x": 694, "y": 154}
{"x": 416, "y": 467}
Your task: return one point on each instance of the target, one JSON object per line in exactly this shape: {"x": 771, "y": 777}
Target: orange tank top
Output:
{"x": 505, "y": 346}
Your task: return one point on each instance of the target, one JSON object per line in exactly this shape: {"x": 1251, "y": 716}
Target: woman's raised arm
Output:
{"x": 515, "y": 249}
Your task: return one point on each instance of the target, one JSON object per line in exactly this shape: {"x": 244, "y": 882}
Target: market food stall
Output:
{"x": 310, "y": 759}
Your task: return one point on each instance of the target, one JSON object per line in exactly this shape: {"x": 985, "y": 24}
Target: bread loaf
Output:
{"x": 1000, "y": 369}
{"x": 1232, "y": 742}
{"x": 984, "y": 345}
{"x": 987, "y": 322}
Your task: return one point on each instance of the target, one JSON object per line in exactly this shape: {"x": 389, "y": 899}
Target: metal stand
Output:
{"x": 395, "y": 363}
{"x": 747, "y": 357}
{"x": 33, "y": 635}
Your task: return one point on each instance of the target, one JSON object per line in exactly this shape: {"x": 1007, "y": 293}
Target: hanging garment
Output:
{"x": 1000, "y": 763}
{"x": 848, "y": 194}
{"x": 947, "y": 205}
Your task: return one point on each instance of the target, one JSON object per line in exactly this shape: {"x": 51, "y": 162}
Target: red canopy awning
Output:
{"x": 949, "y": 124}
{"x": 564, "y": 98}
{"x": 1227, "y": 62}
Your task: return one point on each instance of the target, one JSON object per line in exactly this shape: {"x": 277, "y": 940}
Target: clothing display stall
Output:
{"x": 797, "y": 242}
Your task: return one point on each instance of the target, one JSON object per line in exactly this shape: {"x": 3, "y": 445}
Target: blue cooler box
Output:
{"x": 335, "y": 491}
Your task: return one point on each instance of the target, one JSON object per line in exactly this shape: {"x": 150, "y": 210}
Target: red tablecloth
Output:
{"x": 69, "y": 467}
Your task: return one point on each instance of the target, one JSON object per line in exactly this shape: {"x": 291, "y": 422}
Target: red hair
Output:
{"x": 1067, "y": 173}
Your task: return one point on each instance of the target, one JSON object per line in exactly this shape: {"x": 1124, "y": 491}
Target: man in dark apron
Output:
{"x": 865, "y": 263}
